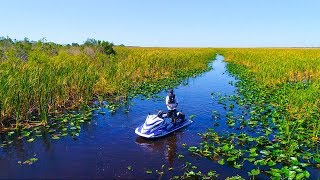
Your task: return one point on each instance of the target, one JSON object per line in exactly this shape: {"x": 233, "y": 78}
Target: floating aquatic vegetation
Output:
{"x": 237, "y": 177}
{"x": 191, "y": 172}
{"x": 29, "y": 161}
{"x": 279, "y": 144}
{"x": 148, "y": 171}
{"x": 236, "y": 149}
{"x": 129, "y": 168}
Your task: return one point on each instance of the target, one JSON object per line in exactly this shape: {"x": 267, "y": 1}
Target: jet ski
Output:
{"x": 158, "y": 125}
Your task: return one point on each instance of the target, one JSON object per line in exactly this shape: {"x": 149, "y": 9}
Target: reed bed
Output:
{"x": 276, "y": 67}
{"x": 289, "y": 80}
{"x": 275, "y": 128}
{"x": 38, "y": 79}
{"x": 273, "y": 66}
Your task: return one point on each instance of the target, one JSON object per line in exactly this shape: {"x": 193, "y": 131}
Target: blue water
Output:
{"x": 107, "y": 145}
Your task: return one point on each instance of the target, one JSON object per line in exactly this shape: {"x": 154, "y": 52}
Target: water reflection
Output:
{"x": 18, "y": 148}
{"x": 167, "y": 145}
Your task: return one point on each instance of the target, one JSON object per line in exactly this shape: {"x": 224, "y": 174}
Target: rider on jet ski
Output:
{"x": 172, "y": 104}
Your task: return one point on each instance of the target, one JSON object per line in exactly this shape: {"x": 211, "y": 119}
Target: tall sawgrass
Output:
{"x": 50, "y": 78}
{"x": 272, "y": 67}
{"x": 289, "y": 79}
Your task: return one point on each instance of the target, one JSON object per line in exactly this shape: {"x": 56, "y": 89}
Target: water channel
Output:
{"x": 107, "y": 145}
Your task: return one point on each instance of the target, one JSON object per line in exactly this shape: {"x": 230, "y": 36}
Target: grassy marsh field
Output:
{"x": 278, "y": 93}
{"x": 290, "y": 78}
{"x": 279, "y": 89}
{"x": 39, "y": 78}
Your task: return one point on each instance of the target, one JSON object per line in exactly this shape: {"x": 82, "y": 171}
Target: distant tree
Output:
{"x": 43, "y": 40}
{"x": 104, "y": 46}
{"x": 75, "y": 44}
{"x": 91, "y": 42}
{"x": 107, "y": 47}
{"x": 26, "y": 40}
{"x": 6, "y": 41}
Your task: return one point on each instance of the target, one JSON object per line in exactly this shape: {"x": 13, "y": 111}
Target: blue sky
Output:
{"x": 172, "y": 23}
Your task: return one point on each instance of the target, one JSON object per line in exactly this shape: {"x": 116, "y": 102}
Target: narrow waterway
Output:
{"x": 107, "y": 146}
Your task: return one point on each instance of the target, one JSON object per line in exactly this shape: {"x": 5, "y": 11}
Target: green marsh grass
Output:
{"x": 290, "y": 79}
{"x": 272, "y": 67}
{"x": 50, "y": 78}
{"x": 279, "y": 90}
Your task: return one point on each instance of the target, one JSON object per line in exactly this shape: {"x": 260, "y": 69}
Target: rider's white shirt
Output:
{"x": 171, "y": 106}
